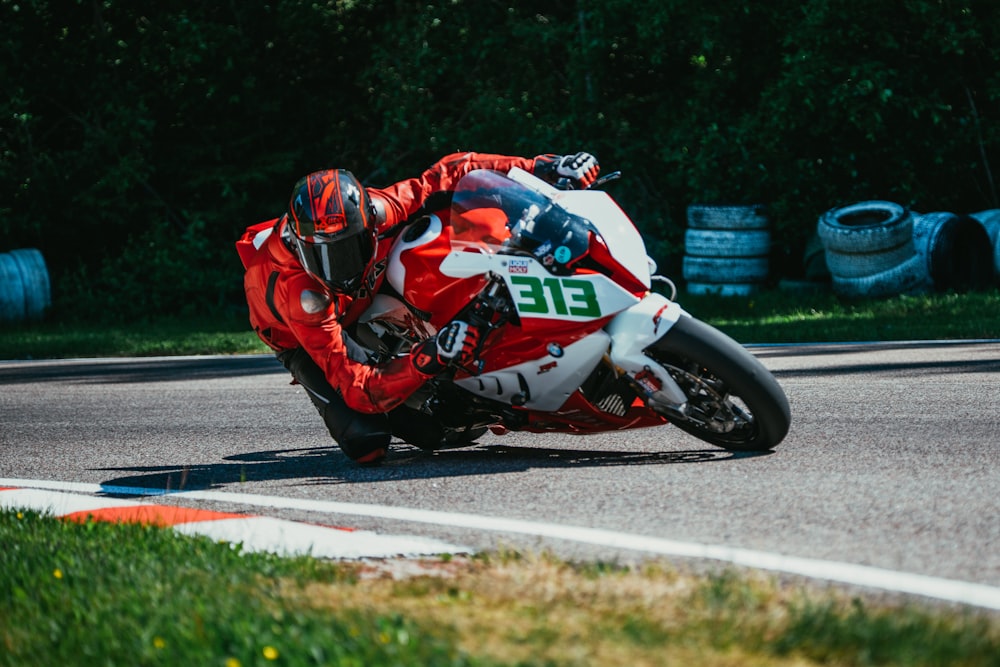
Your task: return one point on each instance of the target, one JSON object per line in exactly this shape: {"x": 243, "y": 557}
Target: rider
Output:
{"x": 314, "y": 270}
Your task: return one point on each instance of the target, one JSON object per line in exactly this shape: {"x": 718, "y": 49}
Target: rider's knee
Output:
{"x": 364, "y": 438}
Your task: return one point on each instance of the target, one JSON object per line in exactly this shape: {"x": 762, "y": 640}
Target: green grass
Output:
{"x": 112, "y": 594}
{"x": 164, "y": 337}
{"x": 780, "y": 317}
{"x": 767, "y": 317}
{"x": 109, "y": 594}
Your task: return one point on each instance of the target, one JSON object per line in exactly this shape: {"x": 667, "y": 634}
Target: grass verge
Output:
{"x": 767, "y": 317}
{"x": 112, "y": 594}
{"x": 781, "y": 317}
{"x": 164, "y": 337}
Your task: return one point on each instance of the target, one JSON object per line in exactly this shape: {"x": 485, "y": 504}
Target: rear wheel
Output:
{"x": 733, "y": 400}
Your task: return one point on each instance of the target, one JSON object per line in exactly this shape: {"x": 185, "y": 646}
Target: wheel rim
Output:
{"x": 712, "y": 408}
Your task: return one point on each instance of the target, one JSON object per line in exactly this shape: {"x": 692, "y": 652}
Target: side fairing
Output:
{"x": 544, "y": 383}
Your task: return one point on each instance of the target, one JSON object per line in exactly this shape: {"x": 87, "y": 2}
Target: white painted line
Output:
{"x": 883, "y": 343}
{"x": 979, "y": 595}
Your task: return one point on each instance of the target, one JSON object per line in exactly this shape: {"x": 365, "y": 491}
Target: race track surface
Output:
{"x": 891, "y": 463}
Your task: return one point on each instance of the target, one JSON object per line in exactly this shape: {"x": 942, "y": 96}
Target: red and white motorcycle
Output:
{"x": 573, "y": 338}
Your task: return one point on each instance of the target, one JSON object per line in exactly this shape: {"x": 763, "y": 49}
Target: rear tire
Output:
{"x": 733, "y": 400}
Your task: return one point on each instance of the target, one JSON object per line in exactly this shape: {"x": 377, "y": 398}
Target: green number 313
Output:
{"x": 562, "y": 296}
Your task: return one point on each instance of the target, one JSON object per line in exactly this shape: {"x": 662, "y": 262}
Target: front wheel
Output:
{"x": 733, "y": 401}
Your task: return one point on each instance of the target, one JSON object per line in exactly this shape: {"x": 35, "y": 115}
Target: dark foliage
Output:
{"x": 137, "y": 139}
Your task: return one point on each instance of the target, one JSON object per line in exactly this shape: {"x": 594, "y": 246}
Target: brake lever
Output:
{"x": 607, "y": 178}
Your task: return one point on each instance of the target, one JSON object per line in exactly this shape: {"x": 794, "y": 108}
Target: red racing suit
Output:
{"x": 290, "y": 309}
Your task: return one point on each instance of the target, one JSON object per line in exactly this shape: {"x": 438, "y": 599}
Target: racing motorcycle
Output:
{"x": 573, "y": 337}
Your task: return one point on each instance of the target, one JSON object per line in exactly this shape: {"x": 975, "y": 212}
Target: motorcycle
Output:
{"x": 573, "y": 338}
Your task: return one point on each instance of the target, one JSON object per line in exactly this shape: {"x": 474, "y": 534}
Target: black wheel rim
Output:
{"x": 712, "y": 407}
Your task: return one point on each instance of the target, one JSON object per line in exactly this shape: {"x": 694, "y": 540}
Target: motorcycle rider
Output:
{"x": 313, "y": 271}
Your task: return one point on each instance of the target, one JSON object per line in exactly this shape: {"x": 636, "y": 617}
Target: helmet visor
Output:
{"x": 341, "y": 264}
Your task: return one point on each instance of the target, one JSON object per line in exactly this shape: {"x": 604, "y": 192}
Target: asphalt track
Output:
{"x": 887, "y": 480}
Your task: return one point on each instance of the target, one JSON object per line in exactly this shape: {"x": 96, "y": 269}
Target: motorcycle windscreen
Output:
{"x": 493, "y": 213}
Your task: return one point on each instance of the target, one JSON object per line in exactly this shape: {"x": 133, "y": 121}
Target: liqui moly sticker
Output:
{"x": 518, "y": 266}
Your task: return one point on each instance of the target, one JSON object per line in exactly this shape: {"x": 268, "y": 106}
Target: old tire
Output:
{"x": 990, "y": 220}
{"x": 865, "y": 227}
{"x": 25, "y": 289}
{"x": 860, "y": 264}
{"x": 956, "y": 250}
{"x": 725, "y": 269}
{"x": 724, "y": 243}
{"x": 906, "y": 278}
{"x": 722, "y": 289}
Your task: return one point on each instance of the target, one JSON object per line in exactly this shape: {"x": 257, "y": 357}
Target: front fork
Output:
{"x": 634, "y": 330}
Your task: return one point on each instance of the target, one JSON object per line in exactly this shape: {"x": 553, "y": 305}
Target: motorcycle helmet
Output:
{"x": 332, "y": 223}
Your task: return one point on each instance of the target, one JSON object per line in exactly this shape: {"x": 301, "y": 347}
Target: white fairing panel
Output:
{"x": 624, "y": 240}
{"x": 396, "y": 271}
{"x": 545, "y": 383}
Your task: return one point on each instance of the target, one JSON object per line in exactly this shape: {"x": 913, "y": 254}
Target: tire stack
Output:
{"x": 726, "y": 249}
{"x": 879, "y": 248}
{"x": 25, "y": 293}
{"x": 869, "y": 250}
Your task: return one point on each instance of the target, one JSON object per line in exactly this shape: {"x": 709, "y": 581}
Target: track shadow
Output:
{"x": 327, "y": 466}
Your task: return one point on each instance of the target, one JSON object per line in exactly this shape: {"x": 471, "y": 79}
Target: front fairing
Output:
{"x": 570, "y": 263}
{"x": 554, "y": 250}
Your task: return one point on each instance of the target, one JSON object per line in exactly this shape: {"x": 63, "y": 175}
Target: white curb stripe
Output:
{"x": 963, "y": 592}
{"x": 59, "y": 504}
{"x": 292, "y": 538}
{"x": 254, "y": 533}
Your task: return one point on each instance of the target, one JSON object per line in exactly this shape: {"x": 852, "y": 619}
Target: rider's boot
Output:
{"x": 364, "y": 438}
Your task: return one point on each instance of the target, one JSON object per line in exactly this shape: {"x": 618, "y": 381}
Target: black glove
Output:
{"x": 568, "y": 172}
{"x": 455, "y": 345}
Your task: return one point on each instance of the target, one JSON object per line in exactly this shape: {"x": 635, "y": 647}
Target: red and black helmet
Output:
{"x": 332, "y": 223}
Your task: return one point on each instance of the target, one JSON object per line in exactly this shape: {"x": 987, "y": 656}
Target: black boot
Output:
{"x": 363, "y": 437}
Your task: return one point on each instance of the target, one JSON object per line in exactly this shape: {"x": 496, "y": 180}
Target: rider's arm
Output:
{"x": 403, "y": 199}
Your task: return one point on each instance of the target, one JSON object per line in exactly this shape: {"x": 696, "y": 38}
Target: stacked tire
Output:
{"x": 869, "y": 250}
{"x": 726, "y": 249}
{"x": 25, "y": 292}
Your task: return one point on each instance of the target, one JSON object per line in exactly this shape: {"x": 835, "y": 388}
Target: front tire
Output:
{"x": 733, "y": 400}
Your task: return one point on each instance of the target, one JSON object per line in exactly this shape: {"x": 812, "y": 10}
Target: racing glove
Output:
{"x": 568, "y": 172}
{"x": 454, "y": 345}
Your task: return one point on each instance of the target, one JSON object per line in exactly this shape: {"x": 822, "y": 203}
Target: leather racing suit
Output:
{"x": 304, "y": 323}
